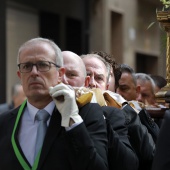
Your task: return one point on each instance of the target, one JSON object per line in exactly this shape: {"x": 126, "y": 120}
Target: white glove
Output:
{"x": 67, "y": 107}
{"x": 116, "y": 96}
{"x": 135, "y": 104}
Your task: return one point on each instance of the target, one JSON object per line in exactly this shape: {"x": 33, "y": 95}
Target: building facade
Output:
{"x": 118, "y": 27}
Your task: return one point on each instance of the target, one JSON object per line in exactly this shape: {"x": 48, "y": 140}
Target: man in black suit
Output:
{"x": 130, "y": 90}
{"x": 120, "y": 151}
{"x": 75, "y": 139}
{"x": 161, "y": 159}
{"x": 142, "y": 141}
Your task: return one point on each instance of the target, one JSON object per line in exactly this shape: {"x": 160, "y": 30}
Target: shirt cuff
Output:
{"x": 73, "y": 126}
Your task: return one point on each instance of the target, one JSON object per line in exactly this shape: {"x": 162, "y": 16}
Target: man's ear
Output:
{"x": 61, "y": 73}
{"x": 19, "y": 74}
{"x": 87, "y": 81}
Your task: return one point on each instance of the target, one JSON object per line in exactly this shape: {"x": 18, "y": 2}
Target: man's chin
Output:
{"x": 35, "y": 86}
{"x": 37, "y": 91}
{"x": 38, "y": 95}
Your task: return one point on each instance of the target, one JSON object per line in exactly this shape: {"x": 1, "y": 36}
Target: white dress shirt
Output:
{"x": 28, "y": 130}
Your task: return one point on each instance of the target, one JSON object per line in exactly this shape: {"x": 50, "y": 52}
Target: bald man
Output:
{"x": 75, "y": 71}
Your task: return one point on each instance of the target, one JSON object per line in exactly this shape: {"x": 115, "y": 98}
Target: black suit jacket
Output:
{"x": 152, "y": 127}
{"x": 121, "y": 155}
{"x": 5, "y": 107}
{"x": 161, "y": 159}
{"x": 82, "y": 148}
{"x": 140, "y": 139}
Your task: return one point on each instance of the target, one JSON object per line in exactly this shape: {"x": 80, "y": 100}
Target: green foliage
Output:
{"x": 150, "y": 25}
{"x": 166, "y": 3}
{"x": 166, "y": 6}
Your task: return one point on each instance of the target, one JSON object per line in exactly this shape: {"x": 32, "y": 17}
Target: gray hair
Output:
{"x": 108, "y": 66}
{"x": 57, "y": 50}
{"x": 144, "y": 78}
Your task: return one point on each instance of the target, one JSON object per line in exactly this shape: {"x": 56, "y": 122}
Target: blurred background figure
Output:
{"x": 160, "y": 82}
{"x": 128, "y": 87}
{"x": 17, "y": 97}
{"x": 147, "y": 89}
{"x": 161, "y": 159}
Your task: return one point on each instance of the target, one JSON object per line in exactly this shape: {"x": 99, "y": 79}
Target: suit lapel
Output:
{"x": 14, "y": 115}
{"x": 52, "y": 132}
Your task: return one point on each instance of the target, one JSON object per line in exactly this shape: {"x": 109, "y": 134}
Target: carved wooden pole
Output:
{"x": 168, "y": 59}
{"x": 163, "y": 17}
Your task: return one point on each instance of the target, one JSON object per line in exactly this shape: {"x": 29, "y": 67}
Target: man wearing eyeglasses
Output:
{"x": 48, "y": 131}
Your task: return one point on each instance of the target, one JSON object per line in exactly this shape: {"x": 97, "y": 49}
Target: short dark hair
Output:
{"x": 127, "y": 69}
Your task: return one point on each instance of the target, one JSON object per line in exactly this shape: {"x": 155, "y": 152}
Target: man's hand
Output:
{"x": 64, "y": 97}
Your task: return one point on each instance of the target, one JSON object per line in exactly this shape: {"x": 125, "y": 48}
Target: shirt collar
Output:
{"x": 33, "y": 110}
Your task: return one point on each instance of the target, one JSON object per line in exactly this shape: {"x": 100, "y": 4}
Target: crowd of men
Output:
{"x": 80, "y": 113}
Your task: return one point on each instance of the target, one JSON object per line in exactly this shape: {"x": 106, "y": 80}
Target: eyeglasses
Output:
{"x": 41, "y": 66}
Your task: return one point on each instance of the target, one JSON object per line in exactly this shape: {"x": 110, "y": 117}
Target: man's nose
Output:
{"x": 92, "y": 83}
{"x": 34, "y": 69}
{"x": 139, "y": 98}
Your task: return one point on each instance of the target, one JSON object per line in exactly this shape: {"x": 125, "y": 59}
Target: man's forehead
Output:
{"x": 37, "y": 50}
{"x": 126, "y": 79}
{"x": 145, "y": 84}
{"x": 95, "y": 70}
{"x": 146, "y": 89}
{"x": 93, "y": 67}
{"x": 98, "y": 68}
{"x": 74, "y": 69}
